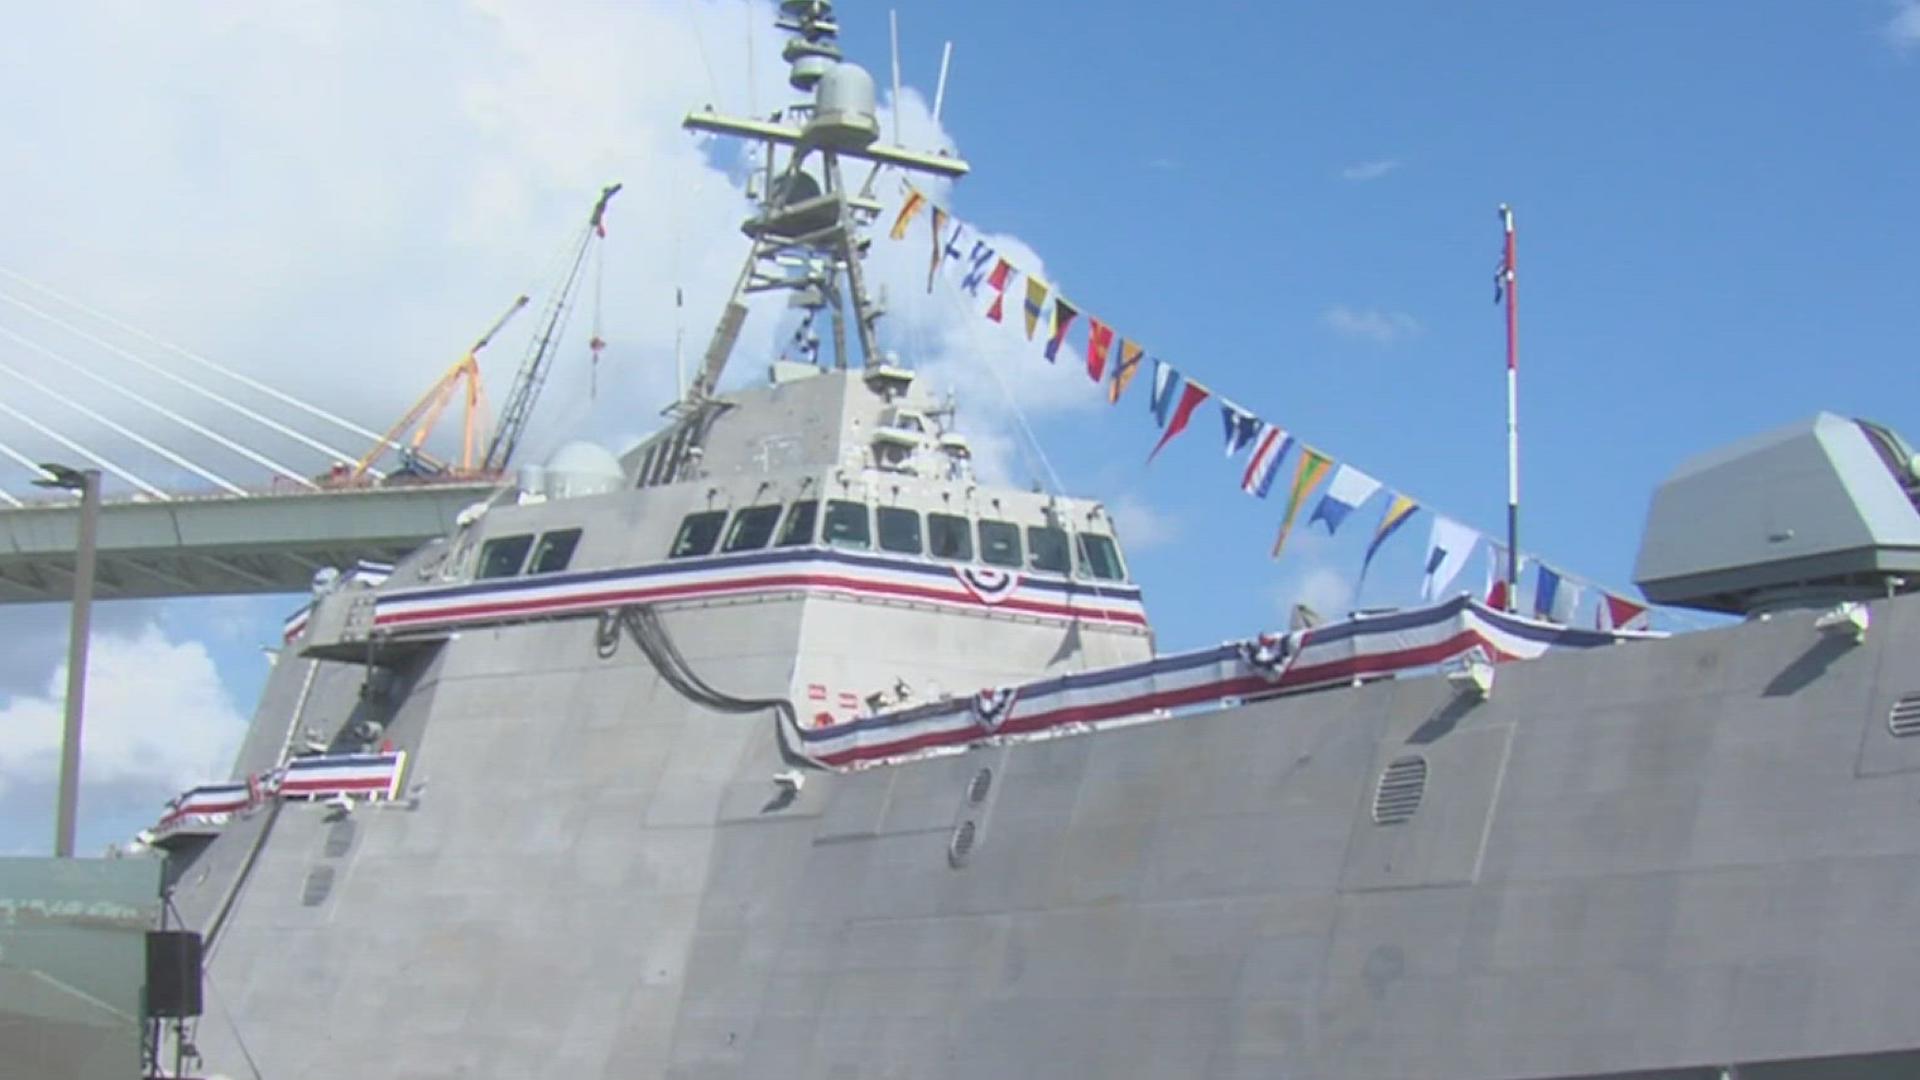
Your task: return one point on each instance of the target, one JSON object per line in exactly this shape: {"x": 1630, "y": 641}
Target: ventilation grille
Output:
{"x": 1402, "y": 785}
{"x": 1904, "y": 718}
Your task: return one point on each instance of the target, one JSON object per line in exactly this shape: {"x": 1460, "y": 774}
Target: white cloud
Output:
{"x": 1140, "y": 525}
{"x": 346, "y": 230}
{"x": 1374, "y": 325}
{"x": 1362, "y": 172}
{"x": 1903, "y": 30}
{"x": 157, "y": 721}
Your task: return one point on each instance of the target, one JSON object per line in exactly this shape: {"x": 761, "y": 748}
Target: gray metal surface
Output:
{"x": 220, "y": 545}
{"x": 1674, "y": 854}
{"x": 1808, "y": 514}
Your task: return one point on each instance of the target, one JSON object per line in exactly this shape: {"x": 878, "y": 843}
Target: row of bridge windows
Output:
{"x": 506, "y": 556}
{"x": 855, "y": 525}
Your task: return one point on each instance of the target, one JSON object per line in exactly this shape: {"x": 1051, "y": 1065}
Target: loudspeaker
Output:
{"x": 173, "y": 973}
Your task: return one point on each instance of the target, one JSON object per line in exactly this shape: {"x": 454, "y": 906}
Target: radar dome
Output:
{"x": 583, "y": 468}
{"x": 843, "y": 109}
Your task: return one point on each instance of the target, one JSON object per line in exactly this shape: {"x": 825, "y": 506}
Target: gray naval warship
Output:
{"x": 785, "y": 746}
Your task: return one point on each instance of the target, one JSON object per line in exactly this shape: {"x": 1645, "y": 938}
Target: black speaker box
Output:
{"x": 173, "y": 973}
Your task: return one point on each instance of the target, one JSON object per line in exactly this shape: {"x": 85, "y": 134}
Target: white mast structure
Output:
{"x": 806, "y": 227}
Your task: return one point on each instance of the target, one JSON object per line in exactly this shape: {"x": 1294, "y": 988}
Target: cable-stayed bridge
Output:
{"x": 213, "y": 481}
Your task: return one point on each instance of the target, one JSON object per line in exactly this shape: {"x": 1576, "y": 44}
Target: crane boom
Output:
{"x": 533, "y": 370}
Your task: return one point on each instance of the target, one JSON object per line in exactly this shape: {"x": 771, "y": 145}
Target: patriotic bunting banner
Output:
{"x": 997, "y": 281}
{"x": 1448, "y": 547}
{"x": 1124, "y": 369}
{"x": 1099, "y": 343}
{"x": 1063, "y": 314}
{"x": 1167, "y": 688}
{"x": 1345, "y": 492}
{"x": 1307, "y": 475}
{"x": 1191, "y": 395}
{"x": 1399, "y": 509}
{"x": 1036, "y": 299}
{"x": 909, "y": 210}
{"x": 1242, "y": 427}
{"x": 1268, "y": 450}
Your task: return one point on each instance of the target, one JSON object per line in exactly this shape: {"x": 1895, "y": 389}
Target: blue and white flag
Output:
{"x": 1554, "y": 597}
{"x": 1345, "y": 492}
{"x": 1165, "y": 381}
{"x": 1242, "y": 427}
{"x": 1447, "y": 549}
{"x": 1268, "y": 451}
{"x": 979, "y": 263}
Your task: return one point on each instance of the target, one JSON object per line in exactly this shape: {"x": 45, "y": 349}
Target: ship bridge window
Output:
{"x": 1099, "y": 558}
{"x": 899, "y": 530}
{"x": 503, "y": 557}
{"x": 949, "y": 537}
{"x": 752, "y": 528}
{"x": 697, "y": 535}
{"x": 798, "y": 528}
{"x": 846, "y": 525}
{"x": 554, "y": 551}
{"x": 1047, "y": 550}
{"x": 1000, "y": 544}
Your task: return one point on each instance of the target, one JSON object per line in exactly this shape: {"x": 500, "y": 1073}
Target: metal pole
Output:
{"x": 1513, "y": 410}
{"x": 77, "y": 663}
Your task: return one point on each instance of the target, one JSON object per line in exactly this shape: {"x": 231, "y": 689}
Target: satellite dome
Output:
{"x": 583, "y": 468}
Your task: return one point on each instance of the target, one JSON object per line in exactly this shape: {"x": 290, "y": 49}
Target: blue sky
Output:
{"x": 1292, "y": 203}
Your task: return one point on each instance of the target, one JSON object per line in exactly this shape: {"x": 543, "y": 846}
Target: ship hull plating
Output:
{"x": 1668, "y": 855}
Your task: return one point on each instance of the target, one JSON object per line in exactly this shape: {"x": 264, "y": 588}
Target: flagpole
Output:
{"x": 1509, "y": 289}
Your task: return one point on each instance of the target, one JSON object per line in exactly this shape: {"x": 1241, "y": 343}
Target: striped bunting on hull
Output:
{"x": 811, "y": 570}
{"x": 321, "y": 777}
{"x": 1324, "y": 656}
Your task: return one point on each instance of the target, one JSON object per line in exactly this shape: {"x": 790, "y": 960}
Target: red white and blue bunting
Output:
{"x": 1334, "y": 654}
{"x": 205, "y": 810}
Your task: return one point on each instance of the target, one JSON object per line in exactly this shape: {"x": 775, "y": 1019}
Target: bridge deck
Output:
{"x": 218, "y": 545}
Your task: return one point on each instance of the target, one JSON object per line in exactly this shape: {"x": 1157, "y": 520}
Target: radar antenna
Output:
{"x": 806, "y": 225}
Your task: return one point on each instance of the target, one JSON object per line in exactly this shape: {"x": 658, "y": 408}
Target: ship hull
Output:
{"x": 1661, "y": 857}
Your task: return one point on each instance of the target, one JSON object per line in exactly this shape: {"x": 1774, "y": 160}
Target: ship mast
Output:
{"x": 806, "y": 227}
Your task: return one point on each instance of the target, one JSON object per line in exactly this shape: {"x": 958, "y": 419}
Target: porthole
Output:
{"x": 961, "y": 844}
{"x": 981, "y": 784}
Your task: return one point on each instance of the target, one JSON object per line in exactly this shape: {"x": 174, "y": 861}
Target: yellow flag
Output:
{"x": 1307, "y": 475}
{"x": 1036, "y": 300}
{"x": 909, "y": 210}
{"x": 1124, "y": 369}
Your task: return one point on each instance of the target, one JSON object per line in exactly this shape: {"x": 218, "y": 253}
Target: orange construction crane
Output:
{"x": 425, "y": 413}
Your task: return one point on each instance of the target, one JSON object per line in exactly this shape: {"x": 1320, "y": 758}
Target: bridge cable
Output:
{"x": 333, "y": 452}
{"x": 119, "y": 428}
{"x": 191, "y": 425}
{"x": 84, "y": 452}
{"x": 32, "y": 467}
{"x": 244, "y": 380}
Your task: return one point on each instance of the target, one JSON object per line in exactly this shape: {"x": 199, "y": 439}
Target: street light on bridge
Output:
{"x": 86, "y": 484}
